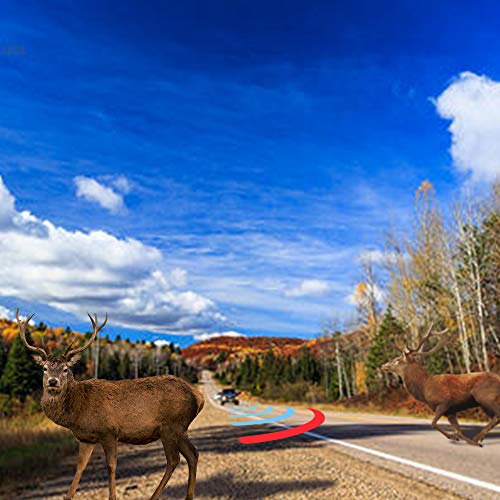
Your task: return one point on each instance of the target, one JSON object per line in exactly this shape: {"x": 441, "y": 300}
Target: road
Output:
{"x": 299, "y": 468}
{"x": 414, "y": 449}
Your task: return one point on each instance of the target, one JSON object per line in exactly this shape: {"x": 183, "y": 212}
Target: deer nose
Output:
{"x": 52, "y": 382}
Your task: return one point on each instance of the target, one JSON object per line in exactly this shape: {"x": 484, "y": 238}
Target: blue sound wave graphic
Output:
{"x": 289, "y": 412}
{"x": 245, "y": 410}
{"x": 270, "y": 409}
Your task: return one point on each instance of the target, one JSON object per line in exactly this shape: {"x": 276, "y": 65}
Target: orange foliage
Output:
{"x": 205, "y": 352}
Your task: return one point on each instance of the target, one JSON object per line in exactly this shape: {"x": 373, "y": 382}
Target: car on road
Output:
{"x": 228, "y": 395}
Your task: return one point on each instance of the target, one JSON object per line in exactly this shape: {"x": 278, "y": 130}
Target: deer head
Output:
{"x": 411, "y": 355}
{"x": 56, "y": 371}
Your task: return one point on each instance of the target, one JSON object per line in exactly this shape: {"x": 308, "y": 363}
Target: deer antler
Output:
{"x": 22, "y": 333}
{"x": 424, "y": 339}
{"x": 443, "y": 340}
{"x": 97, "y": 328}
{"x": 398, "y": 347}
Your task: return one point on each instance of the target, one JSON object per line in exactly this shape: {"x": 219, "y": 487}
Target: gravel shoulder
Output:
{"x": 298, "y": 468}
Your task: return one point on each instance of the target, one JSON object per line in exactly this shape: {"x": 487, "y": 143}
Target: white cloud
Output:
{"x": 94, "y": 191}
{"x": 309, "y": 288}
{"x": 374, "y": 256}
{"x": 6, "y": 313}
{"x": 76, "y": 272}
{"x": 206, "y": 336}
{"x": 161, "y": 343}
{"x": 353, "y": 299}
{"x": 472, "y": 103}
{"x": 122, "y": 184}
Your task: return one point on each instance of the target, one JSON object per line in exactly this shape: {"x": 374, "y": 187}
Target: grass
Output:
{"x": 31, "y": 443}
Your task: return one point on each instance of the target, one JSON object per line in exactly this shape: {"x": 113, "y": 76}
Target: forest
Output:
{"x": 21, "y": 378}
{"x": 443, "y": 272}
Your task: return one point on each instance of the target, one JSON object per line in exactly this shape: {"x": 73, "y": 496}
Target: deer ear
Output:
{"x": 73, "y": 360}
{"x": 39, "y": 360}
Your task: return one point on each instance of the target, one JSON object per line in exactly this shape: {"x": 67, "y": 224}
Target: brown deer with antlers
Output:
{"x": 136, "y": 411}
{"x": 447, "y": 394}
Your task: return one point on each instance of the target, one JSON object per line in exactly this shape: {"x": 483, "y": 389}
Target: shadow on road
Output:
{"x": 224, "y": 485}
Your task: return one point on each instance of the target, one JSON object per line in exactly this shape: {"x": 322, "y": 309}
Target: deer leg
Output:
{"x": 482, "y": 434}
{"x": 170, "y": 446}
{"x": 440, "y": 411}
{"x": 454, "y": 422}
{"x": 493, "y": 411}
{"x": 456, "y": 427}
{"x": 84, "y": 454}
{"x": 190, "y": 453}
{"x": 110, "y": 449}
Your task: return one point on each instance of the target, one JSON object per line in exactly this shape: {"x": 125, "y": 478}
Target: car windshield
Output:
{"x": 228, "y": 391}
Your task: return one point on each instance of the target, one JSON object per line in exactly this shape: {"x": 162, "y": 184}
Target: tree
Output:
{"x": 382, "y": 350}
{"x": 114, "y": 366}
{"x": 3, "y": 354}
{"x": 367, "y": 296}
{"x": 21, "y": 375}
{"x": 125, "y": 366}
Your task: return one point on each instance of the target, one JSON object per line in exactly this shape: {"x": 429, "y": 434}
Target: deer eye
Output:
{"x": 65, "y": 370}
{"x": 44, "y": 368}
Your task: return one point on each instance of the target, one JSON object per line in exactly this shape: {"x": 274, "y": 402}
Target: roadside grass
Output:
{"x": 31, "y": 444}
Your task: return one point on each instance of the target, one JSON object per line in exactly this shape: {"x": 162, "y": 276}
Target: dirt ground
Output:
{"x": 298, "y": 468}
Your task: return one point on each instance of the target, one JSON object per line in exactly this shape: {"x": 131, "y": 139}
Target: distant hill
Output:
{"x": 208, "y": 353}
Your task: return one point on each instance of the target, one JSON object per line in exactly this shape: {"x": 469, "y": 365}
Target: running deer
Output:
{"x": 447, "y": 394}
{"x": 136, "y": 411}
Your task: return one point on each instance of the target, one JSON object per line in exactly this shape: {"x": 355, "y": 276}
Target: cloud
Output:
{"x": 309, "y": 288}
{"x": 107, "y": 197}
{"x": 374, "y": 256}
{"x": 162, "y": 343}
{"x": 354, "y": 297}
{"x": 6, "y": 313}
{"x": 76, "y": 272}
{"x": 122, "y": 184}
{"x": 472, "y": 103}
{"x": 206, "y": 336}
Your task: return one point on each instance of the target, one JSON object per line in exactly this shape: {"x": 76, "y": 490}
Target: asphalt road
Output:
{"x": 406, "y": 445}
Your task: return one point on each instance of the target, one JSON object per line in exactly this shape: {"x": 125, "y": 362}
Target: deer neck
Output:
{"x": 60, "y": 407}
{"x": 414, "y": 379}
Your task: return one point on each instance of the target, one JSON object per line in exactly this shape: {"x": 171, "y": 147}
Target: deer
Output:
{"x": 447, "y": 394}
{"x": 137, "y": 411}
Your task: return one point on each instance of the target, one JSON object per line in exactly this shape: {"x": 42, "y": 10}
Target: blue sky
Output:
{"x": 227, "y": 162}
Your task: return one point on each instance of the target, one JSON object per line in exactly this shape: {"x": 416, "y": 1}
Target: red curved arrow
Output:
{"x": 316, "y": 421}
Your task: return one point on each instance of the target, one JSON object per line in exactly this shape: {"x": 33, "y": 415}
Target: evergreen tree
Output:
{"x": 382, "y": 350}
{"x": 3, "y": 354}
{"x": 125, "y": 366}
{"x": 288, "y": 371}
{"x": 243, "y": 377}
{"x": 114, "y": 366}
{"x": 21, "y": 376}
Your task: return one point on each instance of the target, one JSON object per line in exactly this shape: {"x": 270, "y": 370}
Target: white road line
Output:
{"x": 392, "y": 458}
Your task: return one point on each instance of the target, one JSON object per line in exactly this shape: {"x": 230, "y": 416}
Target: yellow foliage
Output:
{"x": 360, "y": 381}
{"x": 10, "y": 333}
{"x": 425, "y": 188}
